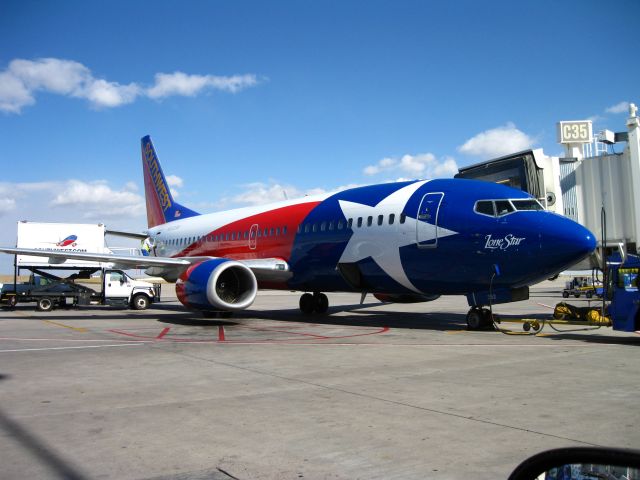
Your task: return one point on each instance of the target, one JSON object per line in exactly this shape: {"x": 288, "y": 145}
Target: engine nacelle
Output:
{"x": 217, "y": 284}
{"x": 405, "y": 297}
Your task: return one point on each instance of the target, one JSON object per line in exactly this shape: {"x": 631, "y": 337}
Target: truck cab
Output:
{"x": 120, "y": 289}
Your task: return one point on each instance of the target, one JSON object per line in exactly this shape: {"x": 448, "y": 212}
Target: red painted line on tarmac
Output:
{"x": 163, "y": 333}
{"x": 189, "y": 340}
{"x": 221, "y": 333}
{"x": 277, "y": 330}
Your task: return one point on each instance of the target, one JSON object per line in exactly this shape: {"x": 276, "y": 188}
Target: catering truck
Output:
{"x": 82, "y": 282}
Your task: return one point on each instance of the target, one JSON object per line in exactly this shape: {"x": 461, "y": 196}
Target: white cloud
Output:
{"x": 52, "y": 74}
{"x": 179, "y": 83}
{"x": 618, "y": 108}
{"x": 131, "y": 186}
{"x": 14, "y": 95}
{"x": 71, "y": 201}
{"x": 174, "y": 181}
{"x": 108, "y": 94}
{"x": 258, "y": 193}
{"x": 24, "y": 78}
{"x": 77, "y": 199}
{"x": 7, "y": 204}
{"x": 424, "y": 165}
{"x": 497, "y": 141}
{"x": 97, "y": 199}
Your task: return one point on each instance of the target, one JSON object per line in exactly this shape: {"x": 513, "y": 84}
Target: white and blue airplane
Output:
{"x": 402, "y": 242}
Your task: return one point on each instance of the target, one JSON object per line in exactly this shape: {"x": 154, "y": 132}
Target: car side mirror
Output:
{"x": 580, "y": 462}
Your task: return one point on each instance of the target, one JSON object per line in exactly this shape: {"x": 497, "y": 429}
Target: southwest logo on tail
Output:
{"x": 161, "y": 207}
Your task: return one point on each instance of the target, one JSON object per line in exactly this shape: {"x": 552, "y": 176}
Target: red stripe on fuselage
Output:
{"x": 269, "y": 246}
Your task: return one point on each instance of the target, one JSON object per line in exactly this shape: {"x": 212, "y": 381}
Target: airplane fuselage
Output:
{"x": 421, "y": 237}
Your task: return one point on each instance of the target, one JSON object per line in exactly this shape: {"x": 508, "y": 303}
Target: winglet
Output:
{"x": 161, "y": 208}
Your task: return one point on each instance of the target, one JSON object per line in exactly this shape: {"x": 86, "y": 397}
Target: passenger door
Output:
{"x": 427, "y": 220}
{"x": 253, "y": 236}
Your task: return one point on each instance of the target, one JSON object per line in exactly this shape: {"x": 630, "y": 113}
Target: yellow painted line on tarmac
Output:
{"x": 58, "y": 324}
{"x": 454, "y": 332}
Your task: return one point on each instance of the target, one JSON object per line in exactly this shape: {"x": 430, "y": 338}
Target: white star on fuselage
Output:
{"x": 383, "y": 242}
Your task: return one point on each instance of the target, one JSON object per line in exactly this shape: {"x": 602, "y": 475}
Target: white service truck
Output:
{"x": 92, "y": 283}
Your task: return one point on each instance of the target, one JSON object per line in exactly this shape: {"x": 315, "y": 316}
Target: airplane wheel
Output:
{"x": 321, "y": 302}
{"x": 307, "y": 303}
{"x": 487, "y": 322}
{"x": 45, "y": 304}
{"x": 475, "y": 319}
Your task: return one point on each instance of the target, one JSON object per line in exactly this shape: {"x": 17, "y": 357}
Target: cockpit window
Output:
{"x": 503, "y": 207}
{"x": 485, "y": 207}
{"x": 498, "y": 208}
{"x": 528, "y": 204}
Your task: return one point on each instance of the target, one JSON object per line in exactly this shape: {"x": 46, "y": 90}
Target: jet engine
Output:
{"x": 217, "y": 284}
{"x": 405, "y": 297}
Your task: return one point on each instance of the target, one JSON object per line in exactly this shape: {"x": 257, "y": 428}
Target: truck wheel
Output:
{"x": 45, "y": 304}
{"x": 589, "y": 294}
{"x": 565, "y": 294}
{"x": 140, "y": 302}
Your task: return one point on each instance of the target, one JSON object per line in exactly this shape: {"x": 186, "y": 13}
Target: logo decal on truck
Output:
{"x": 70, "y": 240}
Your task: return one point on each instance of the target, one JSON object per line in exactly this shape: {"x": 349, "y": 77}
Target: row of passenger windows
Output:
{"x": 230, "y": 236}
{"x": 499, "y": 208}
{"x": 331, "y": 225}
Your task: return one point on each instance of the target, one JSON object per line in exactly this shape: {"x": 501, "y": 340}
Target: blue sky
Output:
{"x": 246, "y": 99}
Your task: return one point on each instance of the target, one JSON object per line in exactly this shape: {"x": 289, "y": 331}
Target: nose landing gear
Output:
{"x": 318, "y": 302}
{"x": 479, "y": 319}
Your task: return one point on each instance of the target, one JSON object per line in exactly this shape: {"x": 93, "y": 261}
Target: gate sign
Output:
{"x": 577, "y": 131}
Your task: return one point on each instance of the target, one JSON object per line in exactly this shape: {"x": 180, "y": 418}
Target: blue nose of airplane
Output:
{"x": 564, "y": 243}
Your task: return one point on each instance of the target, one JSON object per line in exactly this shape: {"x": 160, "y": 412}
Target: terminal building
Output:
{"x": 596, "y": 183}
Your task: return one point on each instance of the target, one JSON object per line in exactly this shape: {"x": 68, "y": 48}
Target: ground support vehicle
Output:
{"x": 49, "y": 291}
{"x": 579, "y": 286}
{"x": 620, "y": 307}
{"x": 623, "y": 292}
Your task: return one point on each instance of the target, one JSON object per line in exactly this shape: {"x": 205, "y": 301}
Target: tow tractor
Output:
{"x": 49, "y": 291}
{"x": 579, "y": 286}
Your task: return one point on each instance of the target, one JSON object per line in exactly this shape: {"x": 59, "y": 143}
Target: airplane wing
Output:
{"x": 127, "y": 261}
{"x": 264, "y": 268}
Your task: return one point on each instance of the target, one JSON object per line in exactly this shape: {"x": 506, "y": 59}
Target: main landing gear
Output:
{"x": 479, "y": 318}
{"x": 318, "y": 302}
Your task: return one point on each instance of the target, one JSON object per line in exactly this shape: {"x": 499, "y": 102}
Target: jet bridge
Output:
{"x": 593, "y": 184}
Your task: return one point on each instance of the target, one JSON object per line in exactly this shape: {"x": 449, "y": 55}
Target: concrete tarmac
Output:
{"x": 373, "y": 391}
